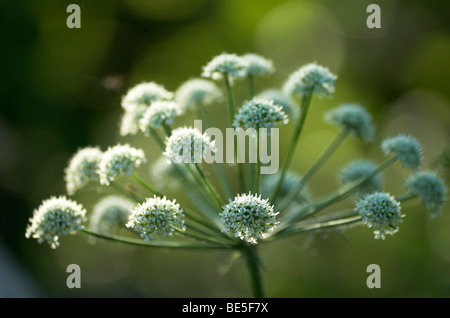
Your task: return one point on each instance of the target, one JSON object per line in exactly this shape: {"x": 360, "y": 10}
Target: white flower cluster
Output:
{"x": 257, "y": 65}
{"x": 196, "y": 92}
{"x": 55, "y": 217}
{"x": 188, "y": 145}
{"x": 249, "y": 217}
{"x": 82, "y": 168}
{"x": 156, "y": 215}
{"x": 226, "y": 64}
{"x": 259, "y": 113}
{"x": 117, "y": 160}
{"x": 110, "y": 212}
{"x": 158, "y": 114}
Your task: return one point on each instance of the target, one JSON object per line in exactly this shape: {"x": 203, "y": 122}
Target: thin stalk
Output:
{"x": 326, "y": 154}
{"x": 298, "y": 129}
{"x": 405, "y": 197}
{"x": 146, "y": 185}
{"x": 156, "y": 243}
{"x": 208, "y": 185}
{"x": 251, "y": 87}
{"x": 257, "y": 166}
{"x": 136, "y": 197}
{"x": 254, "y": 264}
{"x": 158, "y": 139}
{"x": 198, "y": 237}
{"x": 167, "y": 129}
{"x": 205, "y": 191}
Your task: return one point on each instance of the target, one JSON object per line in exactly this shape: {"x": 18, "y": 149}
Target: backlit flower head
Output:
{"x": 188, "y": 145}
{"x": 290, "y": 181}
{"x": 129, "y": 124}
{"x": 310, "y": 77}
{"x": 249, "y": 217}
{"x": 354, "y": 119}
{"x": 158, "y": 114}
{"x": 145, "y": 94}
{"x": 360, "y": 169}
{"x": 279, "y": 98}
{"x": 82, "y": 168}
{"x": 156, "y": 215}
{"x": 430, "y": 189}
{"x": 380, "y": 211}
{"x": 406, "y": 148}
{"x": 259, "y": 113}
{"x": 197, "y": 92}
{"x": 257, "y": 65}
{"x": 55, "y": 217}
{"x": 120, "y": 159}
{"x": 110, "y": 213}
{"x": 230, "y": 65}
{"x": 164, "y": 174}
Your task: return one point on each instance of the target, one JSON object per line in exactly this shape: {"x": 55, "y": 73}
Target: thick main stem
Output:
{"x": 254, "y": 269}
{"x": 298, "y": 129}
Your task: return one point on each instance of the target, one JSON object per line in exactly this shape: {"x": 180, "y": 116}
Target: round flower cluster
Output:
{"x": 361, "y": 169}
{"x": 279, "y": 98}
{"x": 310, "y": 77}
{"x": 188, "y": 145}
{"x": 290, "y": 181}
{"x": 164, "y": 174}
{"x": 406, "y": 148}
{"x": 55, "y": 217}
{"x": 158, "y": 114}
{"x": 259, "y": 113}
{"x": 381, "y": 212}
{"x": 354, "y": 119}
{"x": 248, "y": 217}
{"x": 226, "y": 64}
{"x": 109, "y": 213}
{"x": 145, "y": 94}
{"x": 156, "y": 215}
{"x": 257, "y": 65}
{"x": 117, "y": 160}
{"x": 430, "y": 189}
{"x": 196, "y": 92}
{"x": 82, "y": 168}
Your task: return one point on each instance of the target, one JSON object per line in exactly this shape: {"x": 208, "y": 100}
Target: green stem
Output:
{"x": 298, "y": 129}
{"x": 257, "y": 166}
{"x": 146, "y": 185}
{"x": 198, "y": 237}
{"x": 167, "y": 129}
{"x": 136, "y": 197}
{"x": 158, "y": 139}
{"x": 208, "y": 185}
{"x": 254, "y": 268}
{"x": 156, "y": 243}
{"x": 251, "y": 87}
{"x": 405, "y": 197}
{"x": 290, "y": 196}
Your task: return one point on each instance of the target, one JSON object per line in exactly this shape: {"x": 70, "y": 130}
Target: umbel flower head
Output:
{"x": 310, "y": 77}
{"x": 188, "y": 145}
{"x": 82, "y": 168}
{"x": 259, "y": 113}
{"x": 129, "y": 124}
{"x": 197, "y": 92}
{"x": 257, "y": 65}
{"x": 145, "y": 94}
{"x": 380, "y": 211}
{"x": 279, "y": 98}
{"x": 430, "y": 189}
{"x": 354, "y": 119}
{"x": 156, "y": 215}
{"x": 164, "y": 174}
{"x": 406, "y": 148}
{"x": 158, "y": 114}
{"x": 55, "y": 217}
{"x": 110, "y": 213}
{"x": 225, "y": 64}
{"x": 290, "y": 180}
{"x": 360, "y": 169}
{"x": 248, "y": 217}
{"x": 120, "y": 159}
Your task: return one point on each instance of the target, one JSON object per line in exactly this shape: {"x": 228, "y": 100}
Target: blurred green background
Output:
{"x": 60, "y": 90}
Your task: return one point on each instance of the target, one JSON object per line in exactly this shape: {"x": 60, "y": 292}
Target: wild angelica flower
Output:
{"x": 82, "y": 168}
{"x": 279, "y": 98}
{"x": 120, "y": 159}
{"x": 248, "y": 217}
{"x": 145, "y": 94}
{"x": 226, "y": 64}
{"x": 156, "y": 215}
{"x": 406, "y": 148}
{"x": 290, "y": 181}
{"x": 129, "y": 124}
{"x": 187, "y": 145}
{"x": 359, "y": 169}
{"x": 354, "y": 119}
{"x": 310, "y": 77}
{"x": 380, "y": 211}
{"x": 158, "y": 114}
{"x": 430, "y": 189}
{"x": 259, "y": 113}
{"x": 55, "y": 217}
{"x": 110, "y": 213}
{"x": 196, "y": 92}
{"x": 257, "y": 65}
{"x": 164, "y": 174}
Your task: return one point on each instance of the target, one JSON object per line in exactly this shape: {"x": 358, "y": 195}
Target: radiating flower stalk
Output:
{"x": 246, "y": 213}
